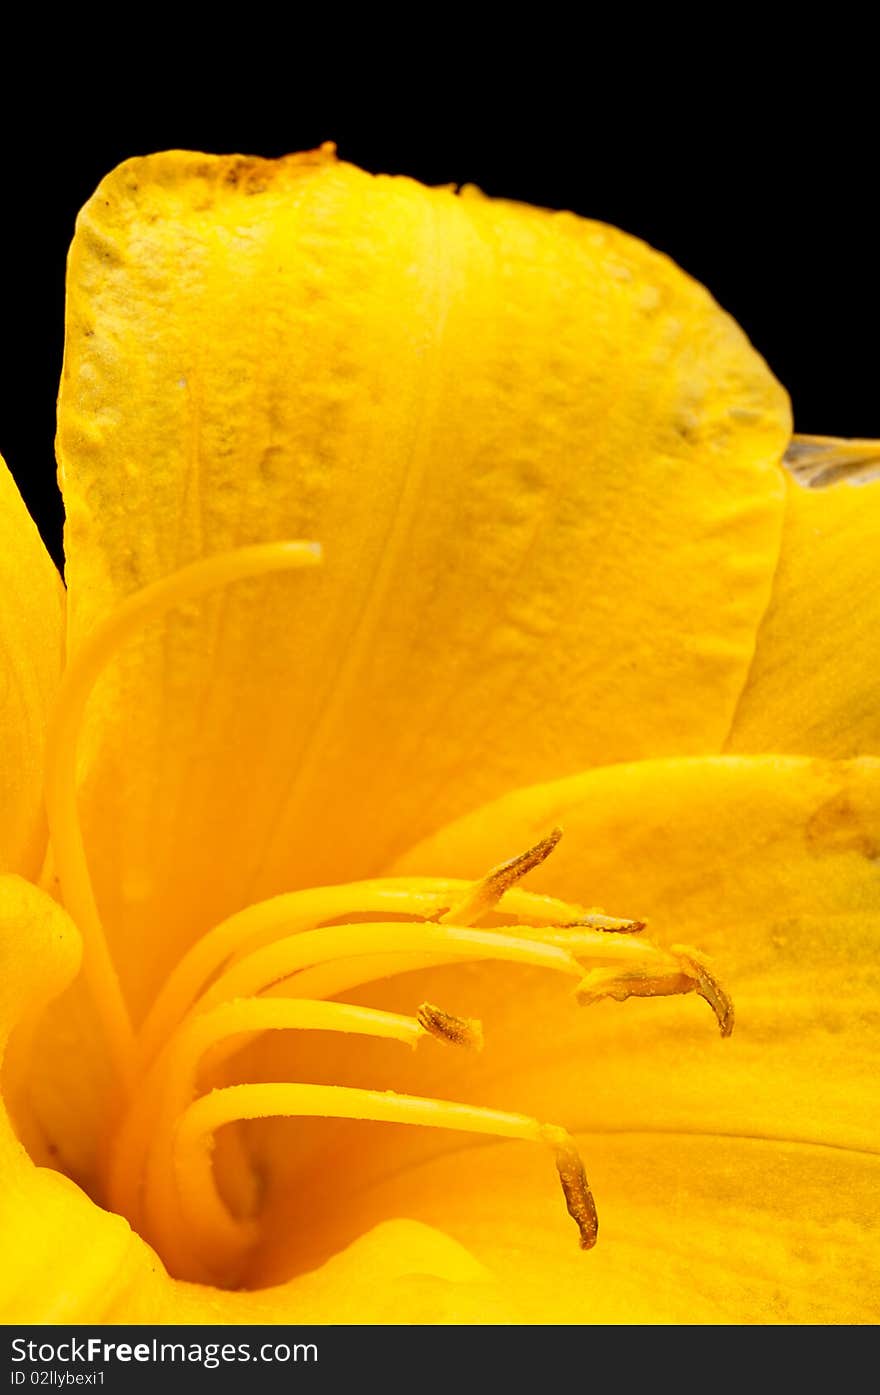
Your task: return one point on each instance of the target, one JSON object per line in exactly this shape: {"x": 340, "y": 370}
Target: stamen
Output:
{"x": 82, "y": 673}
{"x": 281, "y": 960}
{"x": 322, "y": 962}
{"x": 171, "y": 1083}
{"x": 327, "y": 980}
{"x": 707, "y": 986}
{"x": 684, "y": 972}
{"x": 265, "y": 921}
{"x": 536, "y": 909}
{"x": 178, "y": 1064}
{"x": 631, "y": 983}
{"x": 194, "y": 1173}
{"x": 334, "y": 957}
{"x": 575, "y": 1187}
{"x": 457, "y": 1031}
{"x": 486, "y": 893}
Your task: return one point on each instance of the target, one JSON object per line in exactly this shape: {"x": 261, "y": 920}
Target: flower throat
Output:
{"x": 280, "y": 965}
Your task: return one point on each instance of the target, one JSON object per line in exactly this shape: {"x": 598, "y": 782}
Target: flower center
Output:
{"x": 281, "y": 965}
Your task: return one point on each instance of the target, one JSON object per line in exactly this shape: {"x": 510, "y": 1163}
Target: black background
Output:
{"x": 762, "y": 184}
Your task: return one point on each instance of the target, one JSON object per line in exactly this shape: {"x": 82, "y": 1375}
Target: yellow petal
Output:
{"x": 814, "y": 685}
{"x": 31, "y": 647}
{"x": 536, "y": 453}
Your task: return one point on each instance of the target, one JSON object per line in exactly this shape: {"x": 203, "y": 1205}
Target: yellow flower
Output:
{"x": 565, "y": 581}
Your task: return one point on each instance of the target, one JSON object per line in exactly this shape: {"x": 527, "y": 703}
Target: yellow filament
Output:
{"x": 99, "y": 647}
{"x": 339, "y": 976}
{"x": 294, "y": 911}
{"x": 327, "y": 952}
{"x": 149, "y": 1145}
{"x": 170, "y": 1084}
{"x": 258, "y": 925}
{"x": 280, "y": 960}
{"x": 221, "y": 1239}
{"x": 327, "y": 980}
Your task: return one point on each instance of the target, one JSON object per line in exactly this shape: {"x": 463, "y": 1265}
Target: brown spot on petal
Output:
{"x": 839, "y": 825}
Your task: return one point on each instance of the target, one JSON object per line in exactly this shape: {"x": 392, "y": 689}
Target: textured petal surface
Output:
{"x": 543, "y": 465}
{"x": 31, "y": 648}
{"x": 814, "y": 686}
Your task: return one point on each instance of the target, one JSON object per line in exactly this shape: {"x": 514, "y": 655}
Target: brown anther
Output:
{"x": 633, "y": 983}
{"x": 576, "y": 1190}
{"x": 708, "y": 988}
{"x": 455, "y": 1031}
{"x": 596, "y": 920}
{"x": 485, "y": 894}
{"x": 506, "y": 874}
